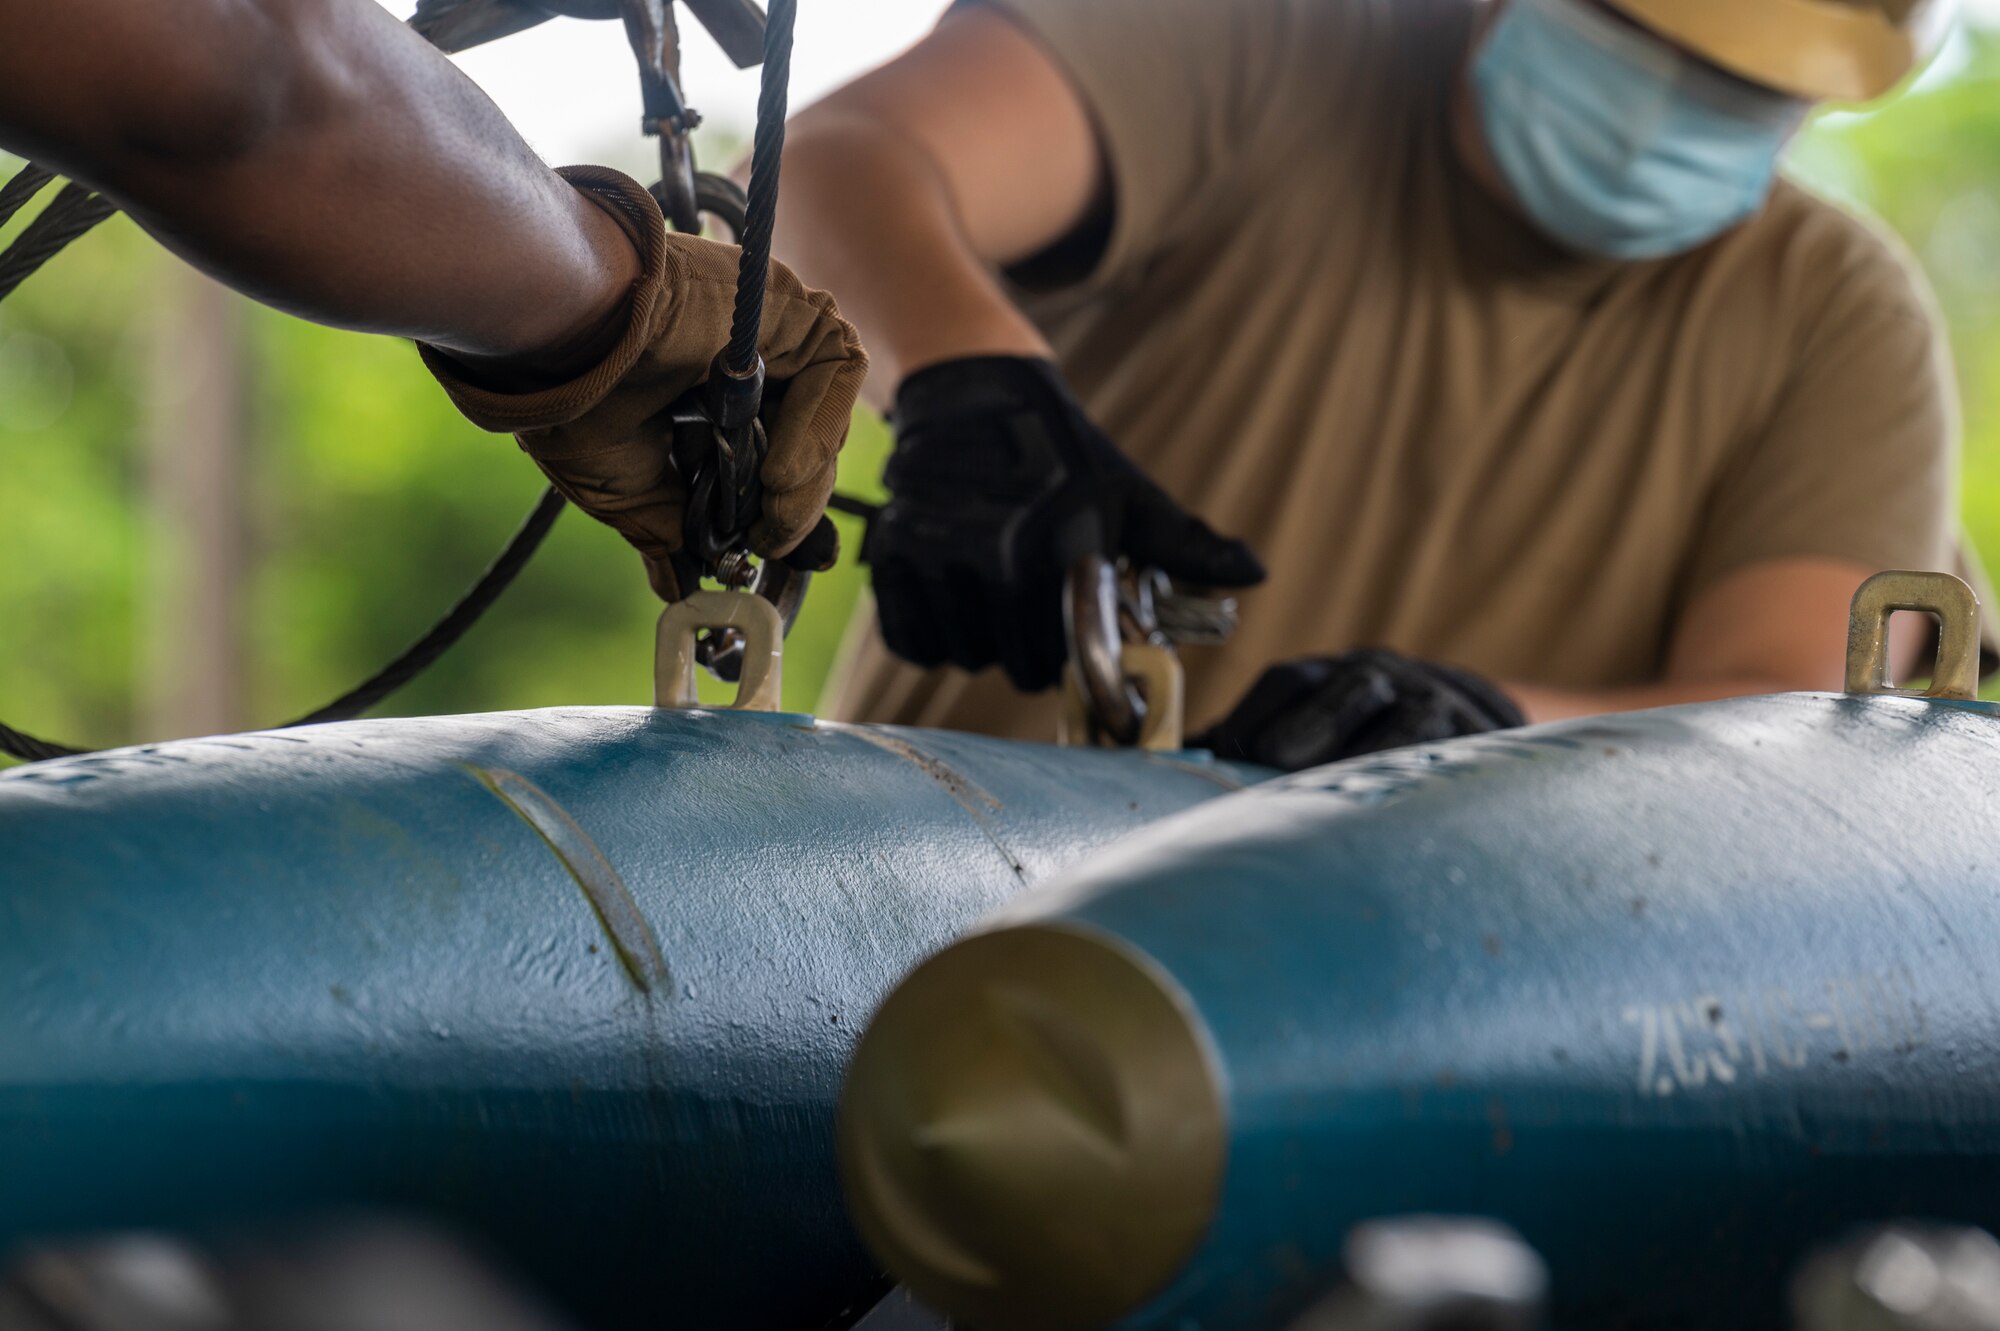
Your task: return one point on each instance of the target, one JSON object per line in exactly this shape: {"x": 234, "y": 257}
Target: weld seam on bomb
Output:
{"x": 632, "y": 938}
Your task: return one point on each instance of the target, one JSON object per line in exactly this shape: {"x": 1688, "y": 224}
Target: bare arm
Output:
{"x": 321, "y": 157}
{"x": 1775, "y": 627}
{"x": 902, "y": 190}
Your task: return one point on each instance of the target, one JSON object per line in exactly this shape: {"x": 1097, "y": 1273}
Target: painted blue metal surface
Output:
{"x": 1676, "y": 994}
{"x": 579, "y": 982}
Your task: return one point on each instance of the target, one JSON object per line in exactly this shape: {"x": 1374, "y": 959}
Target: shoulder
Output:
{"x": 1329, "y": 35}
{"x": 1823, "y": 260}
{"x": 1858, "y": 358}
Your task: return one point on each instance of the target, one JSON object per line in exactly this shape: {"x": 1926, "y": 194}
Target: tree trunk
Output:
{"x": 197, "y": 409}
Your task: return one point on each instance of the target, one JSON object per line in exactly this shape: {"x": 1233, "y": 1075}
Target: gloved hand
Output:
{"x": 998, "y": 484}
{"x": 603, "y": 439}
{"x": 1308, "y": 713}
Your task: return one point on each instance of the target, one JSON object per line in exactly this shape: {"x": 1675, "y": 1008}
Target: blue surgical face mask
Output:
{"x": 1616, "y": 143}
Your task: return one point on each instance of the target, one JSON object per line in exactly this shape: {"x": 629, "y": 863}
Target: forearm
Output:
{"x": 319, "y": 156}
{"x": 1777, "y": 627}
{"x": 866, "y": 214}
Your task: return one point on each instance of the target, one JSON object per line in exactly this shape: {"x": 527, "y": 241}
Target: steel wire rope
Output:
{"x": 74, "y": 210}
{"x": 25, "y": 184}
{"x": 767, "y": 150}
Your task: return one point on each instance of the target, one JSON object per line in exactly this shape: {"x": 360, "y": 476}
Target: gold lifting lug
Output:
{"x": 1955, "y": 674}
{"x": 745, "y": 615}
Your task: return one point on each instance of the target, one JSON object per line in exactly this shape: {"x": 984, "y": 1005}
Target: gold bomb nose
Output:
{"x": 1032, "y": 1133}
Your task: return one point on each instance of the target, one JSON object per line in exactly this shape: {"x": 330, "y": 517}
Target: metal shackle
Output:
{"x": 1124, "y": 684}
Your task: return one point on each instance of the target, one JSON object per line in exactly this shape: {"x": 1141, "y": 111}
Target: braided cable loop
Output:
{"x": 766, "y": 158}
{"x": 416, "y": 659}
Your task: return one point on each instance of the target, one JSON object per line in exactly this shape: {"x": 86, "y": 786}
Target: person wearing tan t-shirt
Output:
{"x": 1487, "y": 326}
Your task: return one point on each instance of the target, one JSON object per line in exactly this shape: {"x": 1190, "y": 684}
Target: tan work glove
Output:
{"x": 604, "y": 440}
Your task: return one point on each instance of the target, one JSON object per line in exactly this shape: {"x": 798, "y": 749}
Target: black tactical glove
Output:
{"x": 1307, "y": 713}
{"x": 999, "y": 483}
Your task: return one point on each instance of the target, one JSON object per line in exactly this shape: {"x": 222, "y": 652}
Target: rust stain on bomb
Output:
{"x": 971, "y": 797}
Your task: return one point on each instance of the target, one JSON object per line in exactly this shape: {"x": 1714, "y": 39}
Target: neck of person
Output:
{"x": 1468, "y": 141}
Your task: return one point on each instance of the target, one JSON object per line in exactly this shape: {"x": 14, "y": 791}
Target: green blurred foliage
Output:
{"x": 374, "y": 504}
{"x": 1928, "y": 164}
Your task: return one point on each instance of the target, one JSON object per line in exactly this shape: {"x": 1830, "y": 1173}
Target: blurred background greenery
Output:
{"x": 363, "y": 504}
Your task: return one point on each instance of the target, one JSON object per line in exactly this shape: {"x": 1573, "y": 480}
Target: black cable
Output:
{"x": 458, "y": 621}
{"x": 26, "y": 183}
{"x": 75, "y": 210}
{"x": 854, "y": 508}
{"x": 766, "y": 155}
{"x": 28, "y": 749}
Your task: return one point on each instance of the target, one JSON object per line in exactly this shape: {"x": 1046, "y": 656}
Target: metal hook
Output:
{"x": 1124, "y": 683}
{"x": 655, "y": 37}
{"x": 1091, "y": 604}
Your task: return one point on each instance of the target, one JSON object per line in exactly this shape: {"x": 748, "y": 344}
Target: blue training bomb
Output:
{"x": 1678, "y": 995}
